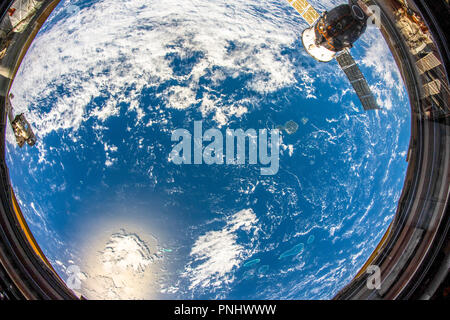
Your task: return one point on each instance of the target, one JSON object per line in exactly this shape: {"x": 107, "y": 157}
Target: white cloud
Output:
{"x": 82, "y": 68}
{"x": 122, "y": 269}
{"x": 217, "y": 253}
{"x": 109, "y": 149}
{"x": 88, "y": 59}
{"x": 126, "y": 251}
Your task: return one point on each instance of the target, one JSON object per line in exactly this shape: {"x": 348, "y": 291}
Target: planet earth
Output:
{"x": 104, "y": 85}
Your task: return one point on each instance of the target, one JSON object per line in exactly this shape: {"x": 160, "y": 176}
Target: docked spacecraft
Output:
{"x": 21, "y": 127}
{"x": 332, "y": 34}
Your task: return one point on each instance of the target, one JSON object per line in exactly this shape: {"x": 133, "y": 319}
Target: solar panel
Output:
{"x": 305, "y": 10}
{"x": 359, "y": 83}
{"x": 427, "y": 63}
{"x": 432, "y": 88}
{"x": 22, "y": 11}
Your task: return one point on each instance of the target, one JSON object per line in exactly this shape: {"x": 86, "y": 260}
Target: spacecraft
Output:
{"x": 21, "y": 127}
{"x": 332, "y": 34}
{"x": 23, "y": 131}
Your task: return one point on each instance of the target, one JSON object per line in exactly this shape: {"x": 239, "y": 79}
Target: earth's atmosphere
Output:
{"x": 103, "y": 86}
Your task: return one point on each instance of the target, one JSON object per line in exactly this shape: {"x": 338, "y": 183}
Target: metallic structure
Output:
{"x": 357, "y": 80}
{"x": 21, "y": 127}
{"x": 23, "y": 131}
{"x": 331, "y": 34}
{"x": 25, "y": 272}
{"x": 413, "y": 256}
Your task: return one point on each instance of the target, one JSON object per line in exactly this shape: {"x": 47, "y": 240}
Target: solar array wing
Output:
{"x": 23, "y": 10}
{"x": 359, "y": 83}
{"x": 305, "y": 10}
{"x": 345, "y": 60}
